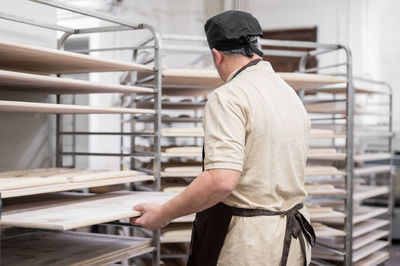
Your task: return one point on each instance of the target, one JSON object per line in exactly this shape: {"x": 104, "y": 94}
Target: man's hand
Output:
{"x": 152, "y": 217}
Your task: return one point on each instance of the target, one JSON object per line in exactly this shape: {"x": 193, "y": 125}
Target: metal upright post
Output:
{"x": 391, "y": 181}
{"x": 1, "y": 208}
{"x": 157, "y": 139}
{"x": 348, "y": 258}
{"x": 59, "y": 139}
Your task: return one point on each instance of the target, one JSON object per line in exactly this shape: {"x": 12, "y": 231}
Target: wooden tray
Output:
{"x": 15, "y": 81}
{"x": 49, "y": 108}
{"x": 323, "y": 253}
{"x": 73, "y": 186}
{"x": 71, "y": 248}
{"x": 64, "y": 211}
{"x": 34, "y": 59}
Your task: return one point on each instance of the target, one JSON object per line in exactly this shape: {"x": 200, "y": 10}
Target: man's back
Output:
{"x": 261, "y": 121}
{"x": 276, "y": 138}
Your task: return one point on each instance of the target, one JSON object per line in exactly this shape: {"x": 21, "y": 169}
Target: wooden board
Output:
{"x": 49, "y": 108}
{"x": 64, "y": 211}
{"x": 321, "y": 217}
{"x": 69, "y": 248}
{"x": 182, "y": 132}
{"x": 176, "y": 233}
{"x": 11, "y": 183}
{"x": 102, "y": 175}
{"x": 375, "y": 259}
{"x": 371, "y": 157}
{"x": 377, "y": 169}
{"x": 343, "y": 90}
{"x": 42, "y": 172}
{"x": 316, "y": 170}
{"x": 183, "y": 154}
{"x": 329, "y": 232}
{"x": 183, "y": 169}
{"x": 327, "y": 156}
{"x": 321, "y": 133}
{"x": 321, "y": 150}
{"x": 184, "y": 219}
{"x": 366, "y": 192}
{"x": 323, "y": 253}
{"x": 198, "y": 132}
{"x": 193, "y": 149}
{"x": 358, "y": 242}
{"x": 211, "y": 78}
{"x": 323, "y": 189}
{"x": 175, "y": 105}
{"x": 368, "y": 226}
{"x": 15, "y": 81}
{"x": 72, "y": 186}
{"x": 40, "y": 60}
{"x": 339, "y": 108}
{"x": 361, "y": 214}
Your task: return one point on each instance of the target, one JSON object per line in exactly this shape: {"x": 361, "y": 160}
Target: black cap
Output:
{"x": 232, "y": 30}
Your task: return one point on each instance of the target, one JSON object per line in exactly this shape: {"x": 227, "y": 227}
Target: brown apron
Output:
{"x": 211, "y": 226}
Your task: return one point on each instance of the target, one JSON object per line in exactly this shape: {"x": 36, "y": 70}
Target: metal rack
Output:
{"x": 120, "y": 25}
{"x": 198, "y": 46}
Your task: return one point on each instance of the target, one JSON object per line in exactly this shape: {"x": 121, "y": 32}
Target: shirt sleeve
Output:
{"x": 224, "y": 124}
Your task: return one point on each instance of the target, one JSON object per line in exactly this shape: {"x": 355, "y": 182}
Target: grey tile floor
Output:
{"x": 395, "y": 255}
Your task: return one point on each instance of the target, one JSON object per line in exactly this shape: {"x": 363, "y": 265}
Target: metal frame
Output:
{"x": 122, "y": 25}
{"x": 317, "y": 50}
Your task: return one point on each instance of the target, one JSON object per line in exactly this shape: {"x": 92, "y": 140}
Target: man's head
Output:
{"x": 232, "y": 37}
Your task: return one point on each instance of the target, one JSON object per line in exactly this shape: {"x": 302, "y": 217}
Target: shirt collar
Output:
{"x": 262, "y": 65}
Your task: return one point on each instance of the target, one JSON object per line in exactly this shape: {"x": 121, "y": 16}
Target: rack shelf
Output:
{"x": 16, "y": 81}
{"x": 68, "y": 210}
{"x": 39, "y": 60}
{"x": 72, "y": 186}
{"x": 71, "y": 248}
{"x": 368, "y": 226}
{"x": 358, "y": 242}
{"x": 210, "y": 78}
{"x": 357, "y": 255}
{"x": 49, "y": 108}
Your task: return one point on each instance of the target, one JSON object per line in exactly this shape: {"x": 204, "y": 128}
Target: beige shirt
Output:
{"x": 256, "y": 124}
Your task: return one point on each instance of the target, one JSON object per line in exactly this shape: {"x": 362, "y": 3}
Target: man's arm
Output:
{"x": 208, "y": 189}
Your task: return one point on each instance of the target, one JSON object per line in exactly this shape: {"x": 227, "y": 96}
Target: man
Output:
{"x": 250, "y": 197}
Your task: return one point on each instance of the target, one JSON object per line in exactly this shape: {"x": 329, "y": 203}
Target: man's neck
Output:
{"x": 237, "y": 62}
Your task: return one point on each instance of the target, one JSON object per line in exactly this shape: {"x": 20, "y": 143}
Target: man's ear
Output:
{"x": 218, "y": 57}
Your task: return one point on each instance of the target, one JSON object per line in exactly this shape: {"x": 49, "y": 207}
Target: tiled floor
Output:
{"x": 395, "y": 255}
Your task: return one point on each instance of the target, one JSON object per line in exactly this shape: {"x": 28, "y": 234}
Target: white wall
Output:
{"x": 370, "y": 28}
{"x": 26, "y": 140}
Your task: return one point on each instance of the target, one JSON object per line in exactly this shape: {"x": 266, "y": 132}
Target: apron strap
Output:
{"x": 297, "y": 226}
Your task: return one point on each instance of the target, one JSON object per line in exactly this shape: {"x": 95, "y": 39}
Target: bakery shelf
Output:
{"x": 362, "y": 192}
{"x": 205, "y": 77}
{"x": 77, "y": 248}
{"x": 377, "y": 258}
{"x": 368, "y": 170}
{"x": 174, "y": 105}
{"x": 368, "y": 226}
{"x": 321, "y": 253}
{"x": 15, "y": 81}
{"x": 358, "y": 242}
{"x": 49, "y": 108}
{"x": 39, "y": 60}
{"x": 72, "y": 186}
